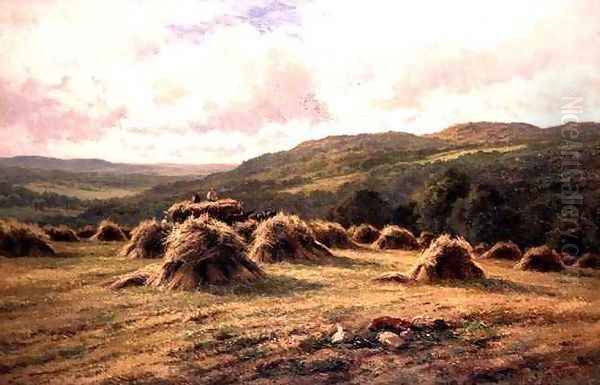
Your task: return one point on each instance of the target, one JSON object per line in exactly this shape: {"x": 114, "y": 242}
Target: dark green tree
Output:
{"x": 437, "y": 201}
{"x": 364, "y": 206}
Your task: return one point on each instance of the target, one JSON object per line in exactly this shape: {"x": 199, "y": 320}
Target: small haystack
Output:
{"x": 365, "y": 233}
{"x": 204, "y": 251}
{"x": 224, "y": 210}
{"x": 147, "y": 240}
{"x": 331, "y": 234}
{"x": 87, "y": 231}
{"x": 446, "y": 258}
{"x": 425, "y": 239}
{"x": 541, "y": 258}
{"x": 504, "y": 250}
{"x": 246, "y": 229}
{"x": 286, "y": 238}
{"x": 395, "y": 237}
{"x": 589, "y": 260}
{"x": 23, "y": 240}
{"x": 61, "y": 233}
{"x": 109, "y": 231}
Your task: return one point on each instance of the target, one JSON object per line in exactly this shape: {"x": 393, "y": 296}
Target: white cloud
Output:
{"x": 223, "y": 80}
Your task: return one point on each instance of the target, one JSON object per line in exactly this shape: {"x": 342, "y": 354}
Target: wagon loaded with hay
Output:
{"x": 224, "y": 210}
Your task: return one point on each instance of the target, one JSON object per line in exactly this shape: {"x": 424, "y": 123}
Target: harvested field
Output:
{"x": 515, "y": 327}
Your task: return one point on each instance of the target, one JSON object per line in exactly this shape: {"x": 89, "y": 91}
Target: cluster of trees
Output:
{"x": 451, "y": 202}
{"x": 18, "y": 196}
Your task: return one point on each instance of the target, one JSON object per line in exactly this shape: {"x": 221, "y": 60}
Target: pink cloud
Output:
{"x": 563, "y": 43}
{"x": 287, "y": 94}
{"x": 31, "y": 111}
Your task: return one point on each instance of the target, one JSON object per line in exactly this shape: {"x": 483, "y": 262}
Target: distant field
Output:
{"x": 327, "y": 184}
{"x": 83, "y": 191}
{"x": 59, "y": 324}
{"x": 450, "y": 155}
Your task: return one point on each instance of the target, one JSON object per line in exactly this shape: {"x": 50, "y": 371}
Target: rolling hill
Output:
{"x": 316, "y": 176}
{"x": 103, "y": 166}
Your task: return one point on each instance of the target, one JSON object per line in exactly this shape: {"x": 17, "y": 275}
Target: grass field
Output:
{"x": 83, "y": 191}
{"x": 59, "y": 324}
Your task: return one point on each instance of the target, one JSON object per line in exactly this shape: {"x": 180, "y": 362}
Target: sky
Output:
{"x": 208, "y": 81}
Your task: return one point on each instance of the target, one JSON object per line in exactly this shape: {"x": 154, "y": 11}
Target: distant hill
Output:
{"x": 103, "y": 166}
{"x": 492, "y": 133}
{"x": 489, "y": 133}
{"x": 315, "y": 176}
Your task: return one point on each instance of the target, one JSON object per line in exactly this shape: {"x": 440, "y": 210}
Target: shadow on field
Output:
{"x": 499, "y": 285}
{"x": 271, "y": 286}
{"x": 338, "y": 261}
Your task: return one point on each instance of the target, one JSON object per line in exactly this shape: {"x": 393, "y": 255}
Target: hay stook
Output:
{"x": 204, "y": 251}
{"x": 503, "y": 250}
{"x": 395, "y": 237}
{"x": 147, "y": 240}
{"x": 286, "y": 238}
{"x": 446, "y": 258}
{"x": 364, "y": 233}
{"x": 246, "y": 229}
{"x": 23, "y": 240}
{"x": 109, "y": 231}
{"x": 541, "y": 258}
{"x": 331, "y": 234}
{"x": 61, "y": 233}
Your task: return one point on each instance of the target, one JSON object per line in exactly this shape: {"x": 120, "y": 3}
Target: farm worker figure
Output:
{"x": 212, "y": 195}
{"x": 196, "y": 198}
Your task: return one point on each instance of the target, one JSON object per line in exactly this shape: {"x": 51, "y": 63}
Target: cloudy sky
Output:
{"x": 197, "y": 81}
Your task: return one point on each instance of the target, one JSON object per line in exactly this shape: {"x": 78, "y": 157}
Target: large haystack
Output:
{"x": 331, "y": 234}
{"x": 286, "y": 238}
{"x": 204, "y": 251}
{"x": 23, "y": 240}
{"x": 425, "y": 239}
{"x": 364, "y": 233}
{"x": 109, "y": 231}
{"x": 246, "y": 229}
{"x": 147, "y": 240}
{"x": 504, "y": 250}
{"x": 395, "y": 237}
{"x": 61, "y": 233}
{"x": 589, "y": 260}
{"x": 446, "y": 258}
{"x": 87, "y": 231}
{"x": 225, "y": 210}
{"x": 540, "y": 258}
